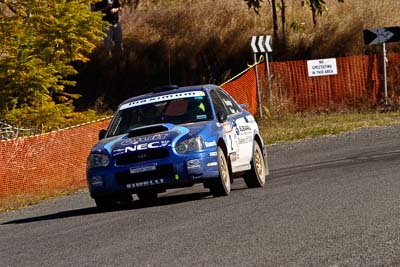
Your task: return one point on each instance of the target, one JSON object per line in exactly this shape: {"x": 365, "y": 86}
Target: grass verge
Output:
{"x": 25, "y": 200}
{"x": 293, "y": 127}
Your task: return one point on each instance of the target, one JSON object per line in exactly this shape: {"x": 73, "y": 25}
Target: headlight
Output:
{"x": 189, "y": 145}
{"x": 98, "y": 160}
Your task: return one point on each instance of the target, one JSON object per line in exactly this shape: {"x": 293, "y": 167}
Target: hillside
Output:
{"x": 208, "y": 41}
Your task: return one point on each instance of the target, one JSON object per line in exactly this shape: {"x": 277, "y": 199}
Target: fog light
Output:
{"x": 193, "y": 164}
{"x": 96, "y": 180}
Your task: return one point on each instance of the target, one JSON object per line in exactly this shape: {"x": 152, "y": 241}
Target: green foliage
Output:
{"x": 297, "y": 27}
{"x": 317, "y": 7}
{"x": 49, "y": 116}
{"x": 39, "y": 41}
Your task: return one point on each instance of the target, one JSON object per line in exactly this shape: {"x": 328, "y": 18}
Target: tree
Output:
{"x": 317, "y": 7}
{"x": 39, "y": 41}
{"x": 256, "y": 5}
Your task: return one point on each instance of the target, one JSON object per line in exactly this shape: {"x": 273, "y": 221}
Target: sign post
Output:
{"x": 382, "y": 36}
{"x": 385, "y": 60}
{"x": 259, "y": 45}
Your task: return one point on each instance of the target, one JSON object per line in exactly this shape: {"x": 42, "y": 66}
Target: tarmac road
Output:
{"x": 331, "y": 201}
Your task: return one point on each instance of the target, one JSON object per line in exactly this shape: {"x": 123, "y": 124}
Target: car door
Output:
{"x": 227, "y": 125}
{"x": 243, "y": 132}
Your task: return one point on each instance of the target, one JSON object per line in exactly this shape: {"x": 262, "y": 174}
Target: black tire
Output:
{"x": 111, "y": 202}
{"x": 105, "y": 203}
{"x": 256, "y": 176}
{"x": 147, "y": 197}
{"x": 221, "y": 185}
{"x": 125, "y": 198}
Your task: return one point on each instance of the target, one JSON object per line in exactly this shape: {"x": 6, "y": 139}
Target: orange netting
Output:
{"x": 243, "y": 89}
{"x": 50, "y": 162}
{"x": 358, "y": 83}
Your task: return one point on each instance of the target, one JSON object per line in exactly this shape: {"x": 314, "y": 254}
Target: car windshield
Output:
{"x": 175, "y": 111}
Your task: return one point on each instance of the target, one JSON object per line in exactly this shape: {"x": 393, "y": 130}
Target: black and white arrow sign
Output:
{"x": 381, "y": 35}
{"x": 261, "y": 44}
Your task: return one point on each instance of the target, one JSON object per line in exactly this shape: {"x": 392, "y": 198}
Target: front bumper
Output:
{"x": 159, "y": 175}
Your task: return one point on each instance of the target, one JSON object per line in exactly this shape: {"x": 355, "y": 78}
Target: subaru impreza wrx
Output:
{"x": 176, "y": 137}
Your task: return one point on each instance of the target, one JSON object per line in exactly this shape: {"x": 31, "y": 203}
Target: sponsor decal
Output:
{"x": 162, "y": 98}
{"x": 201, "y": 117}
{"x": 244, "y": 128}
{"x": 142, "y": 169}
{"x": 228, "y": 103}
{"x": 245, "y": 140}
{"x": 210, "y": 144}
{"x": 144, "y": 146}
{"x": 211, "y": 164}
{"x": 119, "y": 151}
{"x": 145, "y": 183}
{"x": 227, "y": 127}
{"x": 213, "y": 154}
{"x": 143, "y": 139}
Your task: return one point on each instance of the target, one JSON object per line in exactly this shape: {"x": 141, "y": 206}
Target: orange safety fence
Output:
{"x": 358, "y": 83}
{"x": 48, "y": 163}
{"x": 57, "y": 161}
{"x": 243, "y": 90}
{"x": 347, "y": 88}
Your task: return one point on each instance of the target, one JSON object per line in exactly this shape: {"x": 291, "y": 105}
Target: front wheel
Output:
{"x": 111, "y": 202}
{"x": 256, "y": 176}
{"x": 105, "y": 203}
{"x": 221, "y": 186}
{"x": 147, "y": 197}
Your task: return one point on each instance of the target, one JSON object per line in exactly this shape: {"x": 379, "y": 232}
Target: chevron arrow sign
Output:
{"x": 261, "y": 44}
{"x": 381, "y": 35}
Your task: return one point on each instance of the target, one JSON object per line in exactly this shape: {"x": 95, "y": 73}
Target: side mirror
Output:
{"x": 102, "y": 134}
{"x": 243, "y": 106}
{"x": 222, "y": 116}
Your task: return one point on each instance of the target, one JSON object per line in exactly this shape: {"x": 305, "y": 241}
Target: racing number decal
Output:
{"x": 230, "y": 139}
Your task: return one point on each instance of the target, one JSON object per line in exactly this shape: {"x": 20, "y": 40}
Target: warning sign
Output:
{"x": 321, "y": 67}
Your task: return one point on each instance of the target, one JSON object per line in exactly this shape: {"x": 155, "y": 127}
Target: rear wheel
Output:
{"x": 221, "y": 186}
{"x": 256, "y": 176}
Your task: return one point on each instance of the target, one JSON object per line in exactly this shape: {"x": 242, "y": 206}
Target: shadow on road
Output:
{"x": 161, "y": 201}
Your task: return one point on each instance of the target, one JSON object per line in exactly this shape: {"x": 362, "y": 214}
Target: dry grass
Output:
{"x": 192, "y": 24}
{"x": 208, "y": 41}
{"x": 21, "y": 201}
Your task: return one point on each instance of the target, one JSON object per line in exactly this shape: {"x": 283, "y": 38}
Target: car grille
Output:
{"x": 163, "y": 171}
{"x": 141, "y": 156}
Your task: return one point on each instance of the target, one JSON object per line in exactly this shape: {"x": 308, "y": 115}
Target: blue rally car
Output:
{"x": 176, "y": 137}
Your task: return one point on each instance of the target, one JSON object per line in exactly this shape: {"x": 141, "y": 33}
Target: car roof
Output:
{"x": 170, "y": 89}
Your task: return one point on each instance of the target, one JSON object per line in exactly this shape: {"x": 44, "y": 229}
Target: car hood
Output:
{"x": 150, "y": 137}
